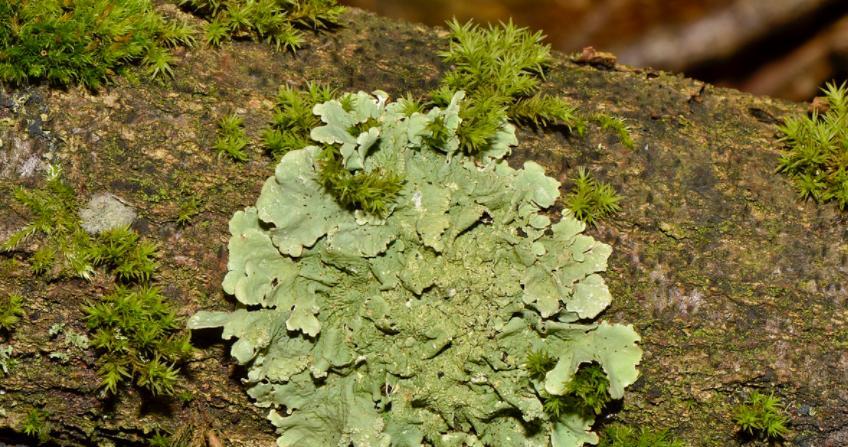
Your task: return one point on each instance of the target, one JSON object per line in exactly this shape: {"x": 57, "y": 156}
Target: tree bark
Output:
{"x": 733, "y": 282}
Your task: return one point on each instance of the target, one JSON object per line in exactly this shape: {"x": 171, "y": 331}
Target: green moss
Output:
{"x": 353, "y": 121}
{"x": 84, "y": 41}
{"x": 293, "y": 118}
{"x": 591, "y": 386}
{"x": 501, "y": 69}
{"x": 762, "y": 416}
{"x": 817, "y": 150}
{"x": 135, "y": 328}
{"x": 11, "y": 311}
{"x": 36, "y": 425}
{"x": 587, "y": 391}
{"x": 620, "y": 435}
{"x": 65, "y": 249}
{"x": 188, "y": 208}
{"x": 231, "y": 139}
{"x": 63, "y": 246}
{"x": 545, "y": 111}
{"x": 137, "y": 333}
{"x": 122, "y": 252}
{"x": 617, "y": 125}
{"x": 372, "y": 192}
{"x": 591, "y": 200}
{"x": 162, "y": 438}
{"x": 279, "y": 22}
{"x": 538, "y": 363}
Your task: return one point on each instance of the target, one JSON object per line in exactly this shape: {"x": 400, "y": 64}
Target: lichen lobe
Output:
{"x": 417, "y": 321}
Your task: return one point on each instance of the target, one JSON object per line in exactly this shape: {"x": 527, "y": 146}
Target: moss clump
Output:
{"x": 135, "y": 328}
{"x": 164, "y": 439}
{"x": 63, "y": 248}
{"x": 617, "y": 125}
{"x": 620, "y": 435}
{"x": 36, "y": 425}
{"x": 587, "y": 391}
{"x": 591, "y": 200}
{"x": 372, "y": 192}
{"x": 137, "y": 332}
{"x": 817, "y": 155}
{"x": 122, "y": 252}
{"x": 11, "y": 311}
{"x": 187, "y": 209}
{"x": 501, "y": 69}
{"x": 279, "y": 22}
{"x": 84, "y": 41}
{"x": 231, "y": 139}
{"x": 293, "y": 118}
{"x": 590, "y": 386}
{"x": 762, "y": 416}
{"x": 538, "y": 363}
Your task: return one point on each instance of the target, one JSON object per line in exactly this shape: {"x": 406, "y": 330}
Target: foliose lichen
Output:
{"x": 414, "y": 326}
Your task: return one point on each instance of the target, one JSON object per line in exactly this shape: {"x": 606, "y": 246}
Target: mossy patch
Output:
{"x": 817, "y": 155}
{"x": 85, "y": 41}
{"x": 278, "y": 22}
{"x": 135, "y": 328}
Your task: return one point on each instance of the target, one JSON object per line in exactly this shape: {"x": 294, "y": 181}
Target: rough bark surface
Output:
{"x": 732, "y": 281}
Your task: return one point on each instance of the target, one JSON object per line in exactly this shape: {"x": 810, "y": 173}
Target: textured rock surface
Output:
{"x": 105, "y": 211}
{"x": 732, "y": 282}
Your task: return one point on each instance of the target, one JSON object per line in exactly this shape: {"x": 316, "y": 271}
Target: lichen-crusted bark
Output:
{"x": 732, "y": 282}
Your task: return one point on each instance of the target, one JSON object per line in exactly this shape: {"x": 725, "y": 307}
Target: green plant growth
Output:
{"x": 591, "y": 200}
{"x": 817, "y": 150}
{"x": 122, "y": 252}
{"x": 159, "y": 440}
{"x": 351, "y": 130}
{"x": 231, "y": 139}
{"x": 135, "y": 328}
{"x": 188, "y": 208}
{"x": 137, "y": 332}
{"x": 278, "y": 22}
{"x": 617, "y": 125}
{"x": 63, "y": 248}
{"x": 590, "y": 386}
{"x": 538, "y": 363}
{"x": 762, "y": 416}
{"x": 293, "y": 119}
{"x": 585, "y": 392}
{"x": 164, "y": 439}
{"x": 66, "y": 249}
{"x": 416, "y": 326}
{"x": 85, "y": 41}
{"x": 620, "y": 435}
{"x": 36, "y": 425}
{"x": 11, "y": 311}
{"x": 501, "y": 69}
{"x": 587, "y": 389}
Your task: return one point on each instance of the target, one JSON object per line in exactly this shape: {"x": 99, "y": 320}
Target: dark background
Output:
{"x": 785, "y": 48}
